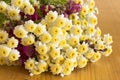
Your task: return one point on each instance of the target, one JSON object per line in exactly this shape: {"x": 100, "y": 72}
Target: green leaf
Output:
{"x": 62, "y": 2}
{"x": 2, "y": 19}
{"x": 2, "y": 16}
{"x": 53, "y": 2}
{"x": 7, "y": 1}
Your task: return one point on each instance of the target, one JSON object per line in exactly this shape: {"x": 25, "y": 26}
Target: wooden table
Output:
{"x": 105, "y": 69}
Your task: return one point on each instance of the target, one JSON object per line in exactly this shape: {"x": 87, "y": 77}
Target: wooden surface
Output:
{"x": 108, "y": 68}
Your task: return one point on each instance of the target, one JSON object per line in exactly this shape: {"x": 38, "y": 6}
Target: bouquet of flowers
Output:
{"x": 51, "y": 35}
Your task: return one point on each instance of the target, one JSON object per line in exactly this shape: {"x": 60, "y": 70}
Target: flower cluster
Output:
{"x": 56, "y": 43}
{"x": 13, "y": 10}
{"x": 8, "y": 52}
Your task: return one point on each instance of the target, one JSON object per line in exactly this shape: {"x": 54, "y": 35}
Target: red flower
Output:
{"x": 45, "y": 9}
{"x": 72, "y": 7}
{"x": 25, "y": 52}
{"x": 33, "y": 17}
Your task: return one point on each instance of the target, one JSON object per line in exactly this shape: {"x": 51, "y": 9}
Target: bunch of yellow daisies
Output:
{"x": 61, "y": 43}
{"x": 13, "y": 10}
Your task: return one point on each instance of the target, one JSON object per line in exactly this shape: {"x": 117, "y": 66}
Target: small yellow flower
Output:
{"x": 2, "y": 61}
{"x": 25, "y": 4}
{"x": 83, "y": 48}
{"x": 108, "y": 39}
{"x": 12, "y": 42}
{"x": 17, "y": 3}
{"x": 14, "y": 55}
{"x": 67, "y": 26}
{"x": 92, "y": 19}
{"x": 3, "y": 6}
{"x": 60, "y": 22}
{"x": 76, "y": 30}
{"x": 82, "y": 62}
{"x": 39, "y": 30}
{"x": 20, "y": 32}
{"x": 45, "y": 37}
{"x": 3, "y": 36}
{"x": 42, "y": 66}
{"x": 90, "y": 30}
{"x": 4, "y": 51}
{"x": 51, "y": 16}
{"x": 55, "y": 39}
{"x": 54, "y": 31}
{"x": 55, "y": 53}
{"x": 56, "y": 68}
{"x": 71, "y": 53}
{"x": 30, "y": 26}
{"x": 96, "y": 57}
{"x": 59, "y": 60}
{"x": 62, "y": 43}
{"x": 67, "y": 71}
{"x": 29, "y": 64}
{"x": 73, "y": 16}
{"x": 84, "y": 11}
{"x": 108, "y": 51}
{"x": 68, "y": 63}
{"x": 41, "y": 49}
{"x": 73, "y": 41}
{"x": 29, "y": 40}
{"x": 91, "y": 3}
{"x": 29, "y": 10}
{"x": 91, "y": 9}
{"x": 13, "y": 12}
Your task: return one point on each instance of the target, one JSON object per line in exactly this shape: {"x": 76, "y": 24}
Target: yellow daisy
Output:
{"x": 14, "y": 55}
{"x": 56, "y": 68}
{"x": 41, "y": 49}
{"x": 30, "y": 26}
{"x": 51, "y": 16}
{"x": 29, "y": 40}
{"x": 20, "y": 32}
{"x": 17, "y": 3}
{"x": 3, "y": 36}
{"x": 29, "y": 10}
{"x": 82, "y": 62}
{"x": 3, "y": 7}
{"x": 29, "y": 64}
{"x": 45, "y": 37}
{"x": 4, "y": 51}
{"x": 12, "y": 42}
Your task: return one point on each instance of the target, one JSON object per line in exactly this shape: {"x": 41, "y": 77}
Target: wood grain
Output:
{"x": 105, "y": 69}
